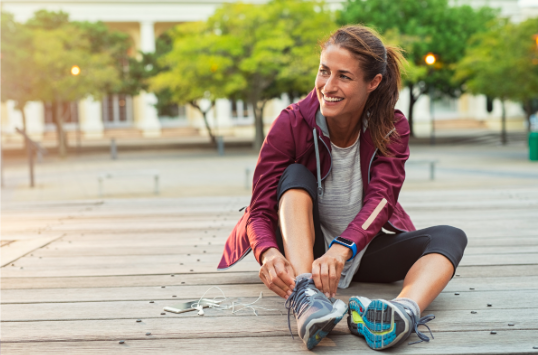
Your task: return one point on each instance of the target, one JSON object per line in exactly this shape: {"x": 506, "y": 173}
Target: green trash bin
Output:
{"x": 533, "y": 146}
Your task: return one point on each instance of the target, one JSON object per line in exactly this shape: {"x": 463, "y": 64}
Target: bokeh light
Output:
{"x": 75, "y": 70}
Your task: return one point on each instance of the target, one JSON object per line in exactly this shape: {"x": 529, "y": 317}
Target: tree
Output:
{"x": 18, "y": 71}
{"x": 249, "y": 52}
{"x": 57, "y": 46}
{"x": 196, "y": 68}
{"x": 430, "y": 26}
{"x": 502, "y": 63}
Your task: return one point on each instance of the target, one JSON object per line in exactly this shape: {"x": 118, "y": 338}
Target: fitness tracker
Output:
{"x": 347, "y": 243}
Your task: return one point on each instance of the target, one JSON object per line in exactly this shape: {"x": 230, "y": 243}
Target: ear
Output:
{"x": 375, "y": 83}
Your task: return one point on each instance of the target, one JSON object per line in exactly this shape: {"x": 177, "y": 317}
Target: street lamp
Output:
{"x": 75, "y": 70}
{"x": 430, "y": 60}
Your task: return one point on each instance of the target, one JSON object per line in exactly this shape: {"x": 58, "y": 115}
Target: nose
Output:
{"x": 330, "y": 84}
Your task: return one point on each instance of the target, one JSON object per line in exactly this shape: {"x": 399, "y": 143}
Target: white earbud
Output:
{"x": 200, "y": 309}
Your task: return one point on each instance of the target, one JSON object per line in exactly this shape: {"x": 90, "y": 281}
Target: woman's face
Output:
{"x": 340, "y": 86}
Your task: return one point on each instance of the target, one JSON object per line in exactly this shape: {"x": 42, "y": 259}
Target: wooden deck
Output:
{"x": 76, "y": 277}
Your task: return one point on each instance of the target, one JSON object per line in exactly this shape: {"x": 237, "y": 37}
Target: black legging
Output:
{"x": 389, "y": 257}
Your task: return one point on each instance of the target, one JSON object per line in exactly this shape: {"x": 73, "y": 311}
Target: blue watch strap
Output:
{"x": 347, "y": 243}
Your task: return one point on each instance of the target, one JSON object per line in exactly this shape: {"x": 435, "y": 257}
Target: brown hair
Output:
{"x": 374, "y": 58}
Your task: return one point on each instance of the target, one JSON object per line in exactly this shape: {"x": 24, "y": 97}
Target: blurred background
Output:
{"x": 140, "y": 99}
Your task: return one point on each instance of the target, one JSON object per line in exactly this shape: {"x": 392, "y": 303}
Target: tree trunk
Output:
{"x": 504, "y": 139}
{"x": 258, "y": 124}
{"x": 528, "y": 112}
{"x": 204, "y": 115}
{"x": 20, "y": 107}
{"x": 412, "y": 101}
{"x": 62, "y": 144}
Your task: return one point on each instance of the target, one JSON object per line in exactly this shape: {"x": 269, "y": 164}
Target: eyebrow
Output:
{"x": 339, "y": 71}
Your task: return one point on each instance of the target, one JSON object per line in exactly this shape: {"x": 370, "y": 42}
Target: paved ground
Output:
{"x": 203, "y": 173}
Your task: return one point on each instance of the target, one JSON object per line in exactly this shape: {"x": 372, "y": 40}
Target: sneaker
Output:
{"x": 384, "y": 323}
{"x": 316, "y": 315}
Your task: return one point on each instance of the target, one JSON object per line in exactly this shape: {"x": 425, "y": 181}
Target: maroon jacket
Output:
{"x": 291, "y": 140}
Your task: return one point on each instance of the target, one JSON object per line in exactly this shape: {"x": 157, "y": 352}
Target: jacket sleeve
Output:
{"x": 387, "y": 174}
{"x": 276, "y": 154}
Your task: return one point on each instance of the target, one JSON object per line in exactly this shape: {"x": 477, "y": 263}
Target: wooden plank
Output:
{"x": 504, "y": 342}
{"x": 478, "y": 277}
{"x": 176, "y": 286}
{"x": 229, "y": 278}
{"x": 467, "y": 300}
{"x": 119, "y": 248}
{"x": 223, "y": 324}
{"x": 19, "y": 248}
{"x": 168, "y": 264}
{"x": 492, "y": 271}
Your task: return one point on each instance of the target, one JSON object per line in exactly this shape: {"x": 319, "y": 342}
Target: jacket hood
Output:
{"x": 308, "y": 108}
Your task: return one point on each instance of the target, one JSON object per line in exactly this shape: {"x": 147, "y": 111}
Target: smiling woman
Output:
{"x": 325, "y": 209}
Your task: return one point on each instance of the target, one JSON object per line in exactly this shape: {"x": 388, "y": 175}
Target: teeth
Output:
{"x": 332, "y": 99}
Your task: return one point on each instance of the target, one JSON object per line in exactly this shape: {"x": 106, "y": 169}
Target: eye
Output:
{"x": 323, "y": 71}
{"x": 345, "y": 77}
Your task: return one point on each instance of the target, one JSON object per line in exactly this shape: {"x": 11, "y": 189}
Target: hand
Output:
{"x": 326, "y": 270}
{"x": 277, "y": 273}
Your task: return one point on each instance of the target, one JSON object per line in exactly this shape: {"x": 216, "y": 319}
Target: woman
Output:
{"x": 324, "y": 208}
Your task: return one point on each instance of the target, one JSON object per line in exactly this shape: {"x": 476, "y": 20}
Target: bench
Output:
{"x": 108, "y": 175}
{"x": 250, "y": 169}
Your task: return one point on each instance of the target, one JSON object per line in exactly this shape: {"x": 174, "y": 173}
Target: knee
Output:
{"x": 296, "y": 196}
{"x": 455, "y": 236}
{"x": 295, "y": 181}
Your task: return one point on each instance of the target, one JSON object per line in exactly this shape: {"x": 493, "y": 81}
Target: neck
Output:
{"x": 344, "y": 130}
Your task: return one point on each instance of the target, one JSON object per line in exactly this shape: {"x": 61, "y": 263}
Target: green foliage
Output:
{"x": 56, "y": 51}
{"x": 425, "y": 26}
{"x": 503, "y": 62}
{"x": 249, "y": 52}
{"x": 429, "y": 26}
{"x": 18, "y": 71}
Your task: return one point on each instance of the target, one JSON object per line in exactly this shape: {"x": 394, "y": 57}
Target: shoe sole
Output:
{"x": 381, "y": 324}
{"x": 319, "y": 328}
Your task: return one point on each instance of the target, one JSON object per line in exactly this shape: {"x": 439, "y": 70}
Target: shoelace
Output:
{"x": 298, "y": 300}
{"x": 422, "y": 321}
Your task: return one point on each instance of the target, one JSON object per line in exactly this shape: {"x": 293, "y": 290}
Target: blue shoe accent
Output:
{"x": 383, "y": 323}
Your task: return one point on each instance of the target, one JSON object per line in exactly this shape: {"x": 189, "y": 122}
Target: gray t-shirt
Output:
{"x": 342, "y": 197}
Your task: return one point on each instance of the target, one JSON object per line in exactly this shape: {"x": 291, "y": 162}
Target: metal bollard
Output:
{"x": 220, "y": 145}
{"x": 113, "y": 149}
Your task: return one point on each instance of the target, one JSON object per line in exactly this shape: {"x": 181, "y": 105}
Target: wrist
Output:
{"x": 347, "y": 244}
{"x": 268, "y": 253}
{"x": 345, "y": 252}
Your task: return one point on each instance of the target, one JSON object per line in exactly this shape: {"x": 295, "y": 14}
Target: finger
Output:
{"x": 266, "y": 279}
{"x": 291, "y": 272}
{"x": 324, "y": 271}
{"x": 316, "y": 276}
{"x": 277, "y": 281}
{"x": 271, "y": 285}
{"x": 283, "y": 274}
{"x": 333, "y": 279}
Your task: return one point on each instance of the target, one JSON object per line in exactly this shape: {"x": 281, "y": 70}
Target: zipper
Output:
{"x": 318, "y": 162}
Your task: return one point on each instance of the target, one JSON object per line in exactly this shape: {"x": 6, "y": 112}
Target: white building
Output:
{"x": 145, "y": 20}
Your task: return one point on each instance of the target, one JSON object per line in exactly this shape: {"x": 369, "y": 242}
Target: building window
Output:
{"x": 69, "y": 112}
{"x": 240, "y": 110}
{"x": 117, "y": 110}
{"x": 234, "y": 113}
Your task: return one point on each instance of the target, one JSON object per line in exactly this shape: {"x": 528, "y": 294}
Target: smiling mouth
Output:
{"x": 332, "y": 99}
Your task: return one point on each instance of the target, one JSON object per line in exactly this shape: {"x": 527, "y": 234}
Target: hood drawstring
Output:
{"x": 318, "y": 164}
